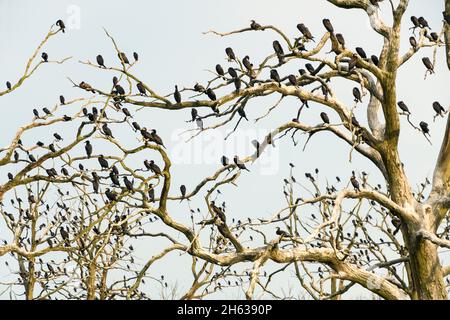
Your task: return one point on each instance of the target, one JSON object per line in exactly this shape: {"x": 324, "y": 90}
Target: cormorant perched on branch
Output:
{"x": 324, "y": 118}
{"x": 100, "y": 61}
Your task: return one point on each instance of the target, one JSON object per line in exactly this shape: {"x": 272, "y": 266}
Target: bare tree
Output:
{"x": 74, "y": 215}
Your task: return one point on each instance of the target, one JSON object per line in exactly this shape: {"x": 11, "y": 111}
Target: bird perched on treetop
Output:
{"x": 61, "y": 25}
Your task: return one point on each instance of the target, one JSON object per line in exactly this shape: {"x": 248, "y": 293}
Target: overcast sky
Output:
{"x": 168, "y": 35}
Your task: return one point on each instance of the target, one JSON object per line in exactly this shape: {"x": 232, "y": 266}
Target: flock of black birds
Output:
{"x": 233, "y": 76}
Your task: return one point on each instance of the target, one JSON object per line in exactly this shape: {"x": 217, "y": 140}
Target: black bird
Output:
{"x": 239, "y": 163}
{"x": 305, "y": 31}
{"x": 154, "y": 168}
{"x": 241, "y": 112}
{"x": 103, "y": 162}
{"x": 122, "y": 56}
{"x": 324, "y": 118}
{"x": 177, "y": 95}
{"x": 115, "y": 80}
{"x": 438, "y": 109}
{"x": 397, "y": 224}
{"x": 413, "y": 42}
{"x": 403, "y": 107}
{"x": 423, "y": 23}
{"x": 355, "y": 183}
{"x": 232, "y": 72}
{"x": 237, "y": 84}
{"x": 210, "y": 93}
{"x": 416, "y": 23}
{"x": 424, "y": 127}
{"x": 247, "y": 64}
{"x": 141, "y": 89}
{"x": 62, "y": 100}
{"x": 100, "y": 61}
{"x": 51, "y": 172}
{"x": 220, "y": 70}
{"x": 66, "y": 118}
{"x": 111, "y": 195}
{"x": 327, "y": 24}
{"x": 355, "y": 122}
{"x": 275, "y": 76}
{"x": 107, "y": 131}
{"x": 157, "y": 139}
{"x": 230, "y": 54}
{"x": 194, "y": 114}
{"x": 36, "y": 113}
{"x": 136, "y": 126}
{"x": 114, "y": 178}
{"x": 88, "y": 148}
{"x": 61, "y": 25}
{"x": 254, "y": 25}
{"x": 135, "y": 56}
{"x": 375, "y": 60}
{"x": 434, "y": 36}
{"x": 199, "y": 88}
{"x": 44, "y": 56}
{"x": 340, "y": 39}
{"x": 52, "y": 147}
{"x": 31, "y": 157}
{"x": 95, "y": 182}
{"x": 46, "y": 111}
{"x": 57, "y": 137}
{"x": 427, "y": 62}
{"x": 64, "y": 234}
{"x": 292, "y": 79}
{"x": 120, "y": 90}
{"x": 278, "y": 48}
{"x": 357, "y": 94}
{"x": 128, "y": 183}
{"x": 282, "y": 233}
{"x": 126, "y": 112}
{"x": 40, "y": 144}
{"x": 64, "y": 172}
{"x": 218, "y": 212}
{"x": 8, "y": 85}
{"x": 151, "y": 193}
{"x": 183, "y": 192}
{"x": 361, "y": 52}
{"x": 10, "y": 176}
{"x": 145, "y": 134}
{"x": 224, "y": 160}
{"x": 310, "y": 68}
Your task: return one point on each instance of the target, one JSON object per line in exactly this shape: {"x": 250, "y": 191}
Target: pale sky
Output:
{"x": 168, "y": 35}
